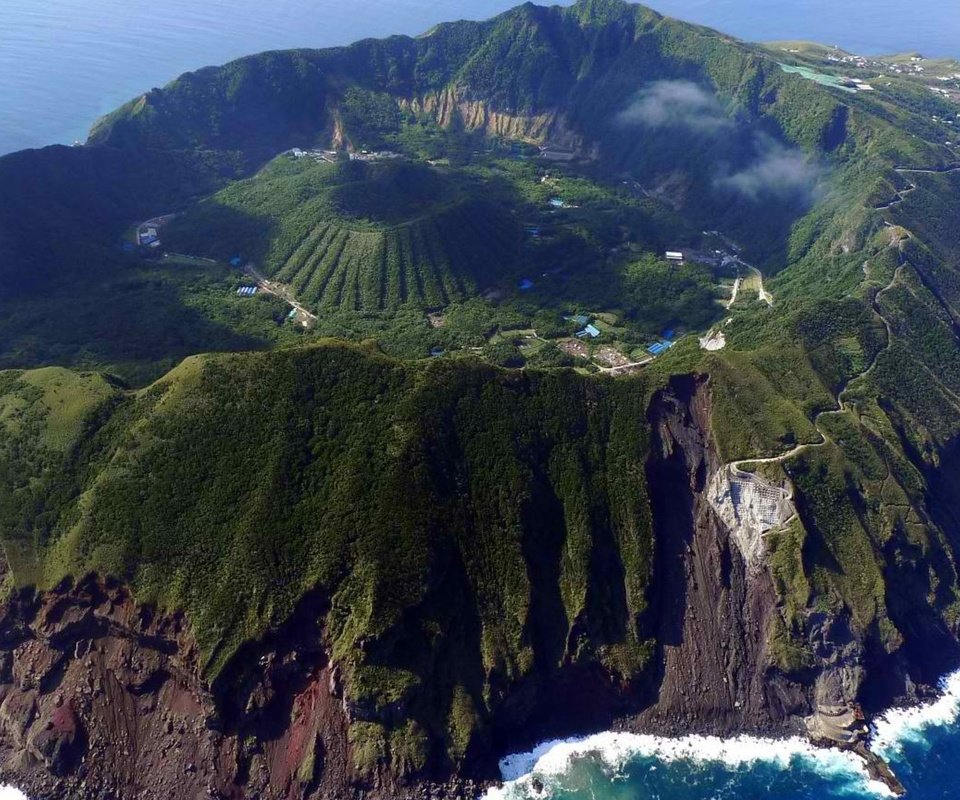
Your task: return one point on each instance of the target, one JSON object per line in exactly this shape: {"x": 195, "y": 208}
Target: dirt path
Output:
{"x": 736, "y": 290}
{"x": 624, "y": 367}
{"x": 283, "y": 292}
{"x": 756, "y": 276}
{"x": 765, "y": 296}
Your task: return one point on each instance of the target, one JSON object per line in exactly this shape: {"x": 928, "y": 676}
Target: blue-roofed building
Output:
{"x": 236, "y": 261}
{"x": 525, "y": 285}
{"x": 580, "y": 320}
{"x": 659, "y": 347}
{"x": 590, "y": 331}
{"x": 668, "y": 334}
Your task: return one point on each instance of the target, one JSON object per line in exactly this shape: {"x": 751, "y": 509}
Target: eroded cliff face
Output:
{"x": 101, "y": 697}
{"x": 452, "y": 107}
{"x": 712, "y": 614}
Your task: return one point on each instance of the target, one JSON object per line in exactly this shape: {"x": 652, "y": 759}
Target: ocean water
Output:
{"x": 922, "y": 745}
{"x": 63, "y": 63}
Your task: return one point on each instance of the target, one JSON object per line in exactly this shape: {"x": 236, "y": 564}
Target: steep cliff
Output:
{"x": 100, "y": 692}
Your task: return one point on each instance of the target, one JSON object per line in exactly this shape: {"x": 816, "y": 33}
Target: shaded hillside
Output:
{"x": 62, "y": 209}
{"x": 403, "y": 564}
{"x": 358, "y": 236}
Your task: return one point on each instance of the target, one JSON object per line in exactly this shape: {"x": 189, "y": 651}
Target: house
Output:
{"x": 674, "y": 255}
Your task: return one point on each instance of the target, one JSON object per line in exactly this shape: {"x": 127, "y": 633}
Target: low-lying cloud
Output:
{"x": 676, "y": 103}
{"x": 774, "y": 171}
{"x": 778, "y": 171}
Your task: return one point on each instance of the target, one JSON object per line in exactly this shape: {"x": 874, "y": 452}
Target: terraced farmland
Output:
{"x": 432, "y": 261}
{"x": 427, "y": 237}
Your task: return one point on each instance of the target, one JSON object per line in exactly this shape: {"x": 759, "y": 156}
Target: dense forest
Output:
{"x": 466, "y": 482}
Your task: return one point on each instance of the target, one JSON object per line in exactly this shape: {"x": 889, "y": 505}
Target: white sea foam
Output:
{"x": 10, "y": 793}
{"x": 548, "y": 762}
{"x": 900, "y": 725}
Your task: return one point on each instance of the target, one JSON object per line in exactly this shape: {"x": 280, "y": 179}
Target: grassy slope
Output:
{"x": 461, "y": 520}
{"x": 311, "y": 426}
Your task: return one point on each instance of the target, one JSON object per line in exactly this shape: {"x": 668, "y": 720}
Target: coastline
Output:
{"x": 535, "y": 773}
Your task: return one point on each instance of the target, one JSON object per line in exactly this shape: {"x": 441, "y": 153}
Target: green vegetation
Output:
{"x": 438, "y": 506}
{"x": 358, "y": 236}
{"x": 474, "y": 525}
{"x": 140, "y": 321}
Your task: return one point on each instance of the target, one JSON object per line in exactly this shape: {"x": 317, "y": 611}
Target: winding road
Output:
{"x": 902, "y": 193}
{"x": 841, "y": 408}
{"x": 875, "y": 304}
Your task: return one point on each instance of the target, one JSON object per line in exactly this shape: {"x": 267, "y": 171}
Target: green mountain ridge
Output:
{"x": 480, "y": 539}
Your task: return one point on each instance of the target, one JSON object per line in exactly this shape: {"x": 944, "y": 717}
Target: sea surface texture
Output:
{"x": 922, "y": 745}
{"x": 63, "y": 63}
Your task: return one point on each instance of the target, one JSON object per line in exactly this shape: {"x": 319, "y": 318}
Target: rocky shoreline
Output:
{"x": 101, "y": 697}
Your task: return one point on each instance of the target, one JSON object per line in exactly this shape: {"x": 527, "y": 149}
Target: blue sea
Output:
{"x": 63, "y": 63}
{"x": 922, "y": 745}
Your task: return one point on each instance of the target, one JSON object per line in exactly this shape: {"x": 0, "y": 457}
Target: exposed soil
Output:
{"x": 102, "y": 698}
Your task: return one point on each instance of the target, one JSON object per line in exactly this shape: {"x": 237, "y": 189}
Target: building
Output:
{"x": 675, "y": 256}
{"x": 589, "y": 331}
{"x": 659, "y": 347}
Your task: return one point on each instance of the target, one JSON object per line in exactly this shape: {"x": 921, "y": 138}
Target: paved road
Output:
{"x": 900, "y": 195}
{"x": 841, "y": 402}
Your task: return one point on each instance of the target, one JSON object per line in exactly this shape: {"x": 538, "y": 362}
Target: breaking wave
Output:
{"x": 900, "y": 725}
{"x": 554, "y": 767}
{"x": 541, "y": 771}
{"x": 10, "y": 793}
